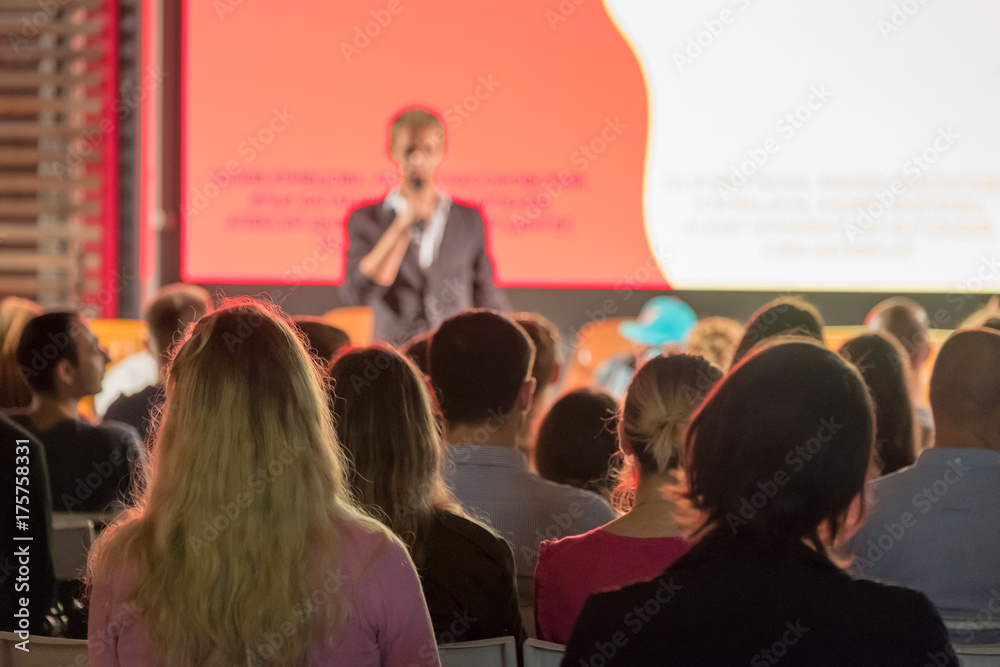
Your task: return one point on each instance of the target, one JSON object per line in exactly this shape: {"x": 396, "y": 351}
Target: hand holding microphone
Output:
{"x": 421, "y": 202}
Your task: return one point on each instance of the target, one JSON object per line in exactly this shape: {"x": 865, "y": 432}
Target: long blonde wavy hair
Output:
{"x": 238, "y": 518}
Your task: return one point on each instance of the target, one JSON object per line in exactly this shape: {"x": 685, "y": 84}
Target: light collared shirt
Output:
{"x": 493, "y": 484}
{"x": 429, "y": 241}
{"x": 133, "y": 373}
{"x": 935, "y": 527}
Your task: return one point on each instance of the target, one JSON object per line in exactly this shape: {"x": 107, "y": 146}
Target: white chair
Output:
{"x": 973, "y": 655}
{"x": 543, "y": 654}
{"x": 986, "y": 655}
{"x": 498, "y": 652}
{"x": 72, "y": 536}
{"x": 42, "y": 652}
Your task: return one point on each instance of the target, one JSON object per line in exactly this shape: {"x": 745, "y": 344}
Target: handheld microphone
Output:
{"x": 418, "y": 225}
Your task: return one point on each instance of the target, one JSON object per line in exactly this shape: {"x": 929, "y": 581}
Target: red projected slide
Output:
{"x": 285, "y": 114}
{"x": 640, "y": 142}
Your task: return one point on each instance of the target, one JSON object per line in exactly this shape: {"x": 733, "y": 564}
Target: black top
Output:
{"x": 90, "y": 467}
{"x": 469, "y": 582}
{"x": 23, "y": 465}
{"x": 136, "y": 409}
{"x": 723, "y": 603}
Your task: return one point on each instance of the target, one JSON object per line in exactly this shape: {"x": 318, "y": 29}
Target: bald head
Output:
{"x": 906, "y": 320}
{"x": 965, "y": 390}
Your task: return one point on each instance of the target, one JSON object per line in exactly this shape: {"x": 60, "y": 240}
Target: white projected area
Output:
{"x": 848, "y": 145}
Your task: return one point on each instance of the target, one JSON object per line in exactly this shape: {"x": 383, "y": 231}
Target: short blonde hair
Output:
{"x": 660, "y": 400}
{"x": 417, "y": 118}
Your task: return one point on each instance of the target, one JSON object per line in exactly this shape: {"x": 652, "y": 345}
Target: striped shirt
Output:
{"x": 493, "y": 484}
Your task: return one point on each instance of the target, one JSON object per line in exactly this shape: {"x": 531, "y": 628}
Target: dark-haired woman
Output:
{"x": 776, "y": 461}
{"x": 883, "y": 364}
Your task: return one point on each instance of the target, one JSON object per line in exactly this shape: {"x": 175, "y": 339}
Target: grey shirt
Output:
{"x": 493, "y": 484}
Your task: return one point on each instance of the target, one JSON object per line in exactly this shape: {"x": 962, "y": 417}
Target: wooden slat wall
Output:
{"x": 53, "y": 149}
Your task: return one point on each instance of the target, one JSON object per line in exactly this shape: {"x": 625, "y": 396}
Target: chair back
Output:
{"x": 986, "y": 655}
{"x": 42, "y": 651}
{"x": 543, "y": 654}
{"x": 498, "y": 652}
{"x": 72, "y": 537}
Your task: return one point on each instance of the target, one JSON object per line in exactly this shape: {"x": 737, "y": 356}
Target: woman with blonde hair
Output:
{"x": 660, "y": 399}
{"x": 15, "y": 312}
{"x": 386, "y": 425}
{"x": 244, "y": 547}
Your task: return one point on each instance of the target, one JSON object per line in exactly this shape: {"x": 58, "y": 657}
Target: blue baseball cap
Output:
{"x": 663, "y": 320}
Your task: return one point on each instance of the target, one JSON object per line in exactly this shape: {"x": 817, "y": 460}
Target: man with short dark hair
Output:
{"x": 480, "y": 363}
{"x": 935, "y": 526}
{"x": 324, "y": 340}
{"x": 176, "y": 306}
{"x": 89, "y": 466}
{"x": 417, "y": 257}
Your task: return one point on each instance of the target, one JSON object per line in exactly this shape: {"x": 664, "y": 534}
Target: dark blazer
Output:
{"x": 90, "y": 467}
{"x": 460, "y": 278}
{"x": 468, "y": 581}
{"x": 137, "y": 409}
{"x": 724, "y": 603}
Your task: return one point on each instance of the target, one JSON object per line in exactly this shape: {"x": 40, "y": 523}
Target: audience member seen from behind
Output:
{"x": 481, "y": 370}
{"x": 324, "y": 340}
{"x": 663, "y": 324}
{"x": 991, "y": 323}
{"x": 578, "y": 441}
{"x": 884, "y": 366}
{"x": 643, "y": 542}
{"x": 775, "y": 462}
{"x": 785, "y": 316}
{"x": 546, "y": 370}
{"x": 247, "y": 505}
{"x": 935, "y": 526}
{"x": 90, "y": 467}
{"x": 174, "y": 309}
{"x": 417, "y": 349}
{"x": 15, "y": 395}
{"x": 715, "y": 339}
{"x": 467, "y": 571}
{"x": 986, "y": 317}
{"x": 906, "y": 320}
